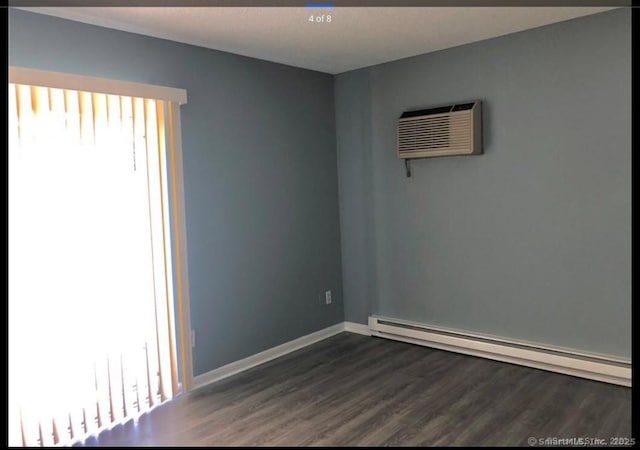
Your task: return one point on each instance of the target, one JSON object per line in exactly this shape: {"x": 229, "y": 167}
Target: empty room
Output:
{"x": 286, "y": 223}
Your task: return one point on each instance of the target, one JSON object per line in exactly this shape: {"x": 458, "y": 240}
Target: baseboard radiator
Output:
{"x": 609, "y": 369}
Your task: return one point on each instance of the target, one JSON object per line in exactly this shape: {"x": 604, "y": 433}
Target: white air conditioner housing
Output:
{"x": 441, "y": 131}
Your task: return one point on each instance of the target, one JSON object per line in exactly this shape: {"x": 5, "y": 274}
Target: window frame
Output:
{"x": 174, "y": 97}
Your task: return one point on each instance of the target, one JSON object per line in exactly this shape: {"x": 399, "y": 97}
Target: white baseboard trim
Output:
{"x": 353, "y": 327}
{"x": 267, "y": 355}
{"x": 606, "y": 368}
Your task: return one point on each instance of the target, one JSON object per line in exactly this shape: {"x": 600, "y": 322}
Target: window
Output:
{"x": 94, "y": 195}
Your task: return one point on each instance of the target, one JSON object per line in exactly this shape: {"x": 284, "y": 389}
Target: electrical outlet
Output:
{"x": 193, "y": 338}
{"x": 327, "y": 297}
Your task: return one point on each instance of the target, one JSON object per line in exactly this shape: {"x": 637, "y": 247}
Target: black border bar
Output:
{"x": 335, "y": 3}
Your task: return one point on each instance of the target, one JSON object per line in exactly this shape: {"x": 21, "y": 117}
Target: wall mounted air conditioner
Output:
{"x": 441, "y": 131}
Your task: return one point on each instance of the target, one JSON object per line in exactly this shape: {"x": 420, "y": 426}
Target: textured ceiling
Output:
{"x": 354, "y": 38}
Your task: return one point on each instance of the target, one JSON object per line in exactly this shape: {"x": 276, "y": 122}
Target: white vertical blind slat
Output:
{"x": 170, "y": 360}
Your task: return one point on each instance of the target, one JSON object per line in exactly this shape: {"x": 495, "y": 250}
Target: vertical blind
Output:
{"x": 91, "y": 319}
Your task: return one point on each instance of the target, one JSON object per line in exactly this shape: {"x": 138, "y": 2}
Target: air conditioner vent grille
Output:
{"x": 441, "y": 131}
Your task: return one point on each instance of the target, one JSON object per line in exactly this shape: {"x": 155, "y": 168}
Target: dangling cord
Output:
{"x": 407, "y": 165}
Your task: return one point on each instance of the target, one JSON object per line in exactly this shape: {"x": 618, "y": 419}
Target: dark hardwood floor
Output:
{"x": 353, "y": 390}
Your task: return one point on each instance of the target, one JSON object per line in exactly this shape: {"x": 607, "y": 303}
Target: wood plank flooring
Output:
{"x": 353, "y": 390}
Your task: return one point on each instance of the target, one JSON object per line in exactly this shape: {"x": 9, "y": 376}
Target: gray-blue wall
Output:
{"x": 260, "y": 177}
{"x": 531, "y": 240}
